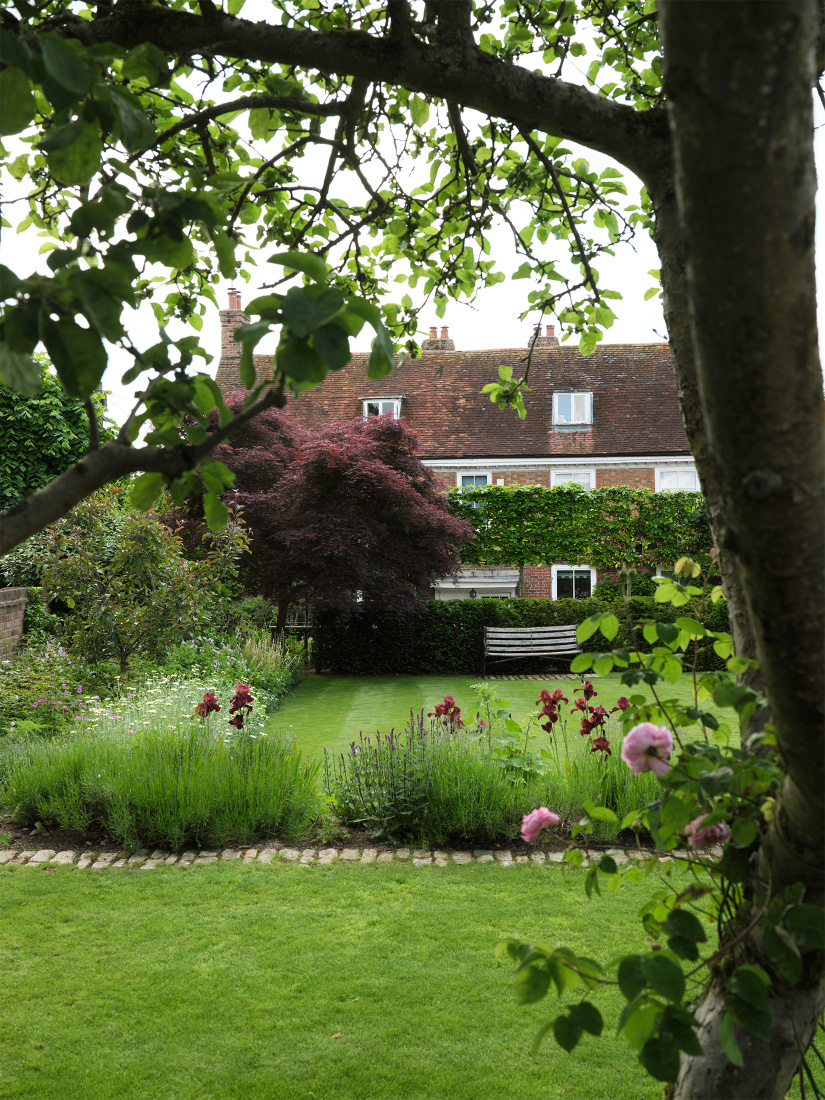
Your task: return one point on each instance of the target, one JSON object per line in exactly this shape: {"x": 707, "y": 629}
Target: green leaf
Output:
{"x": 599, "y": 813}
{"x": 661, "y": 1056}
{"x": 682, "y": 923}
{"x": 19, "y": 371}
{"x": 638, "y": 1020}
{"x": 146, "y": 488}
{"x": 65, "y": 64}
{"x": 78, "y": 355}
{"x": 609, "y": 626}
{"x": 631, "y": 976}
{"x": 532, "y": 983}
{"x": 665, "y": 977}
{"x": 301, "y": 365}
{"x": 566, "y": 1032}
{"x": 310, "y": 265}
{"x": 17, "y": 100}
{"x": 332, "y": 344}
{"x": 744, "y": 832}
{"x": 603, "y": 665}
{"x": 807, "y": 925}
{"x": 78, "y": 161}
{"x": 136, "y": 129}
{"x": 667, "y": 632}
{"x": 587, "y": 629}
{"x": 586, "y": 1016}
{"x": 419, "y": 110}
{"x": 215, "y": 511}
{"x": 727, "y": 1040}
{"x": 305, "y": 311}
{"x": 581, "y": 663}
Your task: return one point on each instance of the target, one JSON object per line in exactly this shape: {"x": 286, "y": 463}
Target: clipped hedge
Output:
{"x": 448, "y": 635}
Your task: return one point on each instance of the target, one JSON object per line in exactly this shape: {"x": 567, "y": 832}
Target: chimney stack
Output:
{"x": 436, "y": 343}
{"x": 228, "y": 374}
{"x": 548, "y": 341}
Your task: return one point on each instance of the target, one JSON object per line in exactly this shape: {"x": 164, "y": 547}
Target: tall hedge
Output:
{"x": 448, "y": 635}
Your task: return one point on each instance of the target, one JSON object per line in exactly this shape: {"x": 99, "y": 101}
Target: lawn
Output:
{"x": 344, "y": 983}
{"x": 330, "y": 711}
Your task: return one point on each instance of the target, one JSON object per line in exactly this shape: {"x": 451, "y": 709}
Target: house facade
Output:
{"x": 611, "y": 418}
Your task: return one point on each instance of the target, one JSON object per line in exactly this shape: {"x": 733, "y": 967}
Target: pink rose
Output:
{"x": 648, "y": 746}
{"x": 535, "y": 821}
{"x": 706, "y": 838}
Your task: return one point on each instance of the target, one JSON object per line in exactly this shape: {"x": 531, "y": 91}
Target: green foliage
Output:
{"x": 607, "y": 528}
{"x": 124, "y": 577}
{"x": 448, "y": 635}
{"x": 426, "y": 784}
{"x": 39, "y": 624}
{"x": 713, "y": 793}
{"x": 43, "y": 434}
{"x": 149, "y": 773}
{"x": 45, "y": 689}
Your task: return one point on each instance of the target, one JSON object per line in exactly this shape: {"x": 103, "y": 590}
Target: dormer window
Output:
{"x": 572, "y": 409}
{"x": 380, "y": 406}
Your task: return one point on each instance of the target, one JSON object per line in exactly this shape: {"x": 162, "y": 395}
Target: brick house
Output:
{"x": 611, "y": 418}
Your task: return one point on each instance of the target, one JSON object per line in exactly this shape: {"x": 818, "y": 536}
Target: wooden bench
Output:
{"x": 509, "y": 642}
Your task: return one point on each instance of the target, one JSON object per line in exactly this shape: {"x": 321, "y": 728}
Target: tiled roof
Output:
{"x": 635, "y": 404}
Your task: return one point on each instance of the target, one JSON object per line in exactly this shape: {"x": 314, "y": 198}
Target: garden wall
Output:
{"x": 12, "y": 613}
{"x": 448, "y": 635}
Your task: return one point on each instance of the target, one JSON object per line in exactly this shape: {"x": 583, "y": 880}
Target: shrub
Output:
{"x": 426, "y": 784}
{"x": 448, "y": 635}
{"x": 252, "y": 656}
{"x": 150, "y": 773}
{"x": 45, "y": 689}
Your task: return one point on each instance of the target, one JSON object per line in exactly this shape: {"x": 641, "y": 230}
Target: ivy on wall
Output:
{"x": 606, "y": 528}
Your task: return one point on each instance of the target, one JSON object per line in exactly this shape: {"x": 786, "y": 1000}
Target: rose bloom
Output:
{"x": 699, "y": 838}
{"x": 648, "y": 746}
{"x": 535, "y": 821}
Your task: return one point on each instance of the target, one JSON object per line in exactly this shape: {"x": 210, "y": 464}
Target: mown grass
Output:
{"x": 330, "y": 711}
{"x": 280, "y": 982}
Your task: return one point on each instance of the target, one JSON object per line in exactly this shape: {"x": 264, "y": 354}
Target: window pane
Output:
{"x": 372, "y": 409}
{"x": 581, "y": 408}
{"x": 674, "y": 480}
{"x": 582, "y": 584}
{"x": 564, "y": 408}
{"x": 473, "y": 481}
{"x": 388, "y": 407}
{"x": 564, "y": 584}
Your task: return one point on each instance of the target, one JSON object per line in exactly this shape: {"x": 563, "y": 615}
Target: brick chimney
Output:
{"x": 548, "y": 341}
{"x": 228, "y": 373}
{"x": 434, "y": 343}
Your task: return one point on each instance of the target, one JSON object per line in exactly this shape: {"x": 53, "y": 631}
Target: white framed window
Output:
{"x": 475, "y": 481}
{"x": 380, "y": 406}
{"x": 572, "y": 582}
{"x": 673, "y": 480}
{"x": 586, "y": 478}
{"x": 572, "y": 408}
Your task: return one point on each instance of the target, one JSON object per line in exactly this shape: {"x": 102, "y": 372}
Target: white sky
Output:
{"x": 492, "y": 321}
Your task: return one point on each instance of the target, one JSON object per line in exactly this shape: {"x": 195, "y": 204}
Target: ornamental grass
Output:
{"x": 149, "y": 771}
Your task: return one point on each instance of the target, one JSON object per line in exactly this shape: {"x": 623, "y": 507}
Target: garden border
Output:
{"x": 418, "y": 857}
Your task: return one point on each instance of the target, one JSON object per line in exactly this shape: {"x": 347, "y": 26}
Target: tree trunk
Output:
{"x": 280, "y": 620}
{"x": 736, "y": 240}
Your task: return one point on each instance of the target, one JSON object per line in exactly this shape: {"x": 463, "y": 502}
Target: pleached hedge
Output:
{"x": 448, "y": 635}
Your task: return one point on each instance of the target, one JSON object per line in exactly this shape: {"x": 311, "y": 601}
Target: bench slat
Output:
{"x": 538, "y": 641}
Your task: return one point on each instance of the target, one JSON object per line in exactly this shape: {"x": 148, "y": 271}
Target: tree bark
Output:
{"x": 739, "y": 79}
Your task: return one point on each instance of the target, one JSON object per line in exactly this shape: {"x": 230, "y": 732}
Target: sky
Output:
{"x": 491, "y": 321}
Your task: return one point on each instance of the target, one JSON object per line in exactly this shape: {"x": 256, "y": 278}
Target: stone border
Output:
{"x": 147, "y": 861}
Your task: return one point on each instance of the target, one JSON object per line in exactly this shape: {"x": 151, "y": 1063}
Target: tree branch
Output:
{"x": 462, "y": 73}
{"x": 113, "y": 460}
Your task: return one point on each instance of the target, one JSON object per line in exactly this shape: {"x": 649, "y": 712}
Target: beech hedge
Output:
{"x": 448, "y": 635}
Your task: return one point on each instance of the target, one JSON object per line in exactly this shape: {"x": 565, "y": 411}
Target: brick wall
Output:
{"x": 523, "y": 477}
{"x": 12, "y": 609}
{"x": 637, "y": 479}
{"x": 538, "y": 582}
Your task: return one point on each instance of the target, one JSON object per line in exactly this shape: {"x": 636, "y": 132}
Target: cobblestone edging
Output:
{"x": 146, "y": 860}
